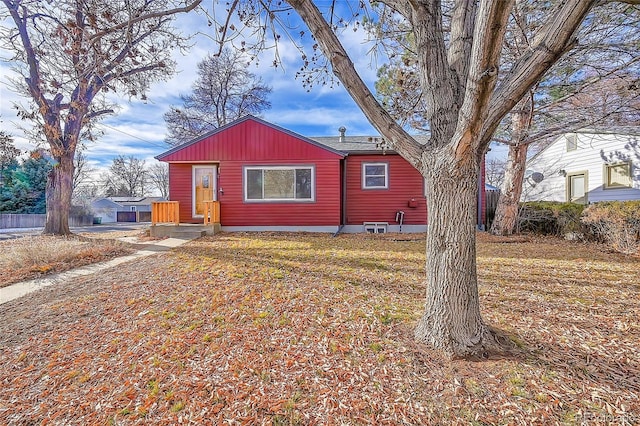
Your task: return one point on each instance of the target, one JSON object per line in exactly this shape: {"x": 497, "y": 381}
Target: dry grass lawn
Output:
{"x": 31, "y": 257}
{"x": 297, "y": 329}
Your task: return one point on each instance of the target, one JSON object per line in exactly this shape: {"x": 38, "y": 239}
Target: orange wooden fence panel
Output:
{"x": 165, "y": 212}
{"x": 211, "y": 212}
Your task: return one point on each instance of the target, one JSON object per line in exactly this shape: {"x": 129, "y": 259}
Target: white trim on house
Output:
{"x": 294, "y": 199}
{"x": 365, "y": 175}
{"x": 214, "y": 184}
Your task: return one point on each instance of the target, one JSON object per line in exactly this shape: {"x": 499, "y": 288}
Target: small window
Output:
{"x": 572, "y": 142}
{"x": 375, "y": 175}
{"x": 376, "y": 227}
{"x": 278, "y": 183}
{"x": 132, "y": 208}
{"x": 617, "y": 175}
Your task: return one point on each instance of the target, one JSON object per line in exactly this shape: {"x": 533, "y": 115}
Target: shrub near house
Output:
{"x": 615, "y": 223}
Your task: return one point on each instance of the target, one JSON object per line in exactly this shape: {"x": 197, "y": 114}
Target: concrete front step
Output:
{"x": 187, "y": 234}
{"x": 188, "y": 230}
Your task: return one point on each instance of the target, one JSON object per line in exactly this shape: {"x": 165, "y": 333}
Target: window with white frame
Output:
{"x": 617, "y": 175}
{"x": 375, "y": 175}
{"x": 279, "y": 183}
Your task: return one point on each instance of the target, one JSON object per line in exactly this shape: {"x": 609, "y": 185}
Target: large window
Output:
{"x": 278, "y": 183}
{"x": 375, "y": 175}
{"x": 617, "y": 175}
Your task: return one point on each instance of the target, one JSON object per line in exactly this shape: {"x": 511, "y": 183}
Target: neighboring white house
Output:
{"x": 105, "y": 209}
{"x": 587, "y": 167}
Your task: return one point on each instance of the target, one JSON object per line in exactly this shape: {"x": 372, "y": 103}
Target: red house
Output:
{"x": 269, "y": 178}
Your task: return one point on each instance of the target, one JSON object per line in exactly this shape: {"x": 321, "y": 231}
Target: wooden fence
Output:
{"x": 211, "y": 212}
{"x": 136, "y": 216}
{"x": 10, "y": 220}
{"x": 491, "y": 205}
{"x": 165, "y": 211}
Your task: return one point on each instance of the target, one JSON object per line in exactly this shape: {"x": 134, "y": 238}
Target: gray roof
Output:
{"x": 616, "y": 130}
{"x": 127, "y": 201}
{"x": 358, "y": 144}
{"x": 102, "y": 203}
{"x": 351, "y": 143}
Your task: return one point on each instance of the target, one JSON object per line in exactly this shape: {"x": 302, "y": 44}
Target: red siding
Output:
{"x": 324, "y": 211}
{"x": 381, "y": 205}
{"x": 180, "y": 189}
{"x": 252, "y": 143}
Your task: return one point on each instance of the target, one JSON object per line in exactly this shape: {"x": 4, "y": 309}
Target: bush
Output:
{"x": 616, "y": 223}
{"x": 550, "y": 218}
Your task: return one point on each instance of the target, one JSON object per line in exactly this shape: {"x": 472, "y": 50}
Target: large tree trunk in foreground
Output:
{"x": 464, "y": 108}
{"x": 506, "y": 216}
{"x": 59, "y": 188}
{"x": 452, "y": 320}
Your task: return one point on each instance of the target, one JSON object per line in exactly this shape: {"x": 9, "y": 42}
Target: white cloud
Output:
{"x": 138, "y": 128}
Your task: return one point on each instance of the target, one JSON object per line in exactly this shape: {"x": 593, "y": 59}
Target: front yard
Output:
{"x": 308, "y": 329}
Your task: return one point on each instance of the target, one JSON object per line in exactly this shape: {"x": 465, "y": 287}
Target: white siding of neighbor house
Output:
{"x": 592, "y": 153}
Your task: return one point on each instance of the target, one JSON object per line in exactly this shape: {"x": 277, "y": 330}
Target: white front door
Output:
{"x": 577, "y": 188}
{"x": 204, "y": 187}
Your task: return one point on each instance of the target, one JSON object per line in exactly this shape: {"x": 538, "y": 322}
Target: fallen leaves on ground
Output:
{"x": 286, "y": 329}
{"x": 31, "y": 257}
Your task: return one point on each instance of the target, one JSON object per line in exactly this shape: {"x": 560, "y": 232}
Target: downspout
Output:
{"x": 343, "y": 198}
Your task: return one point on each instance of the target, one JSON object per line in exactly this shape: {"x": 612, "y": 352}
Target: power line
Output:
{"x": 133, "y": 136}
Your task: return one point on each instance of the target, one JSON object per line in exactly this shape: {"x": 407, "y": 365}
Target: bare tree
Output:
{"x": 69, "y": 53}
{"x": 82, "y": 170}
{"x": 495, "y": 172}
{"x": 592, "y": 85}
{"x": 158, "y": 173}
{"x": 458, "y": 74}
{"x": 126, "y": 177}
{"x": 224, "y": 91}
{"x": 550, "y": 108}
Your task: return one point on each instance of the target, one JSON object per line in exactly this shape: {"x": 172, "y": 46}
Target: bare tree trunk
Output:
{"x": 506, "y": 216}
{"x": 59, "y": 189}
{"x": 504, "y": 222}
{"x": 452, "y": 320}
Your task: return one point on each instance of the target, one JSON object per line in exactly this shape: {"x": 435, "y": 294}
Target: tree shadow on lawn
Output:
{"x": 316, "y": 256}
{"x": 550, "y": 300}
{"x": 547, "y": 248}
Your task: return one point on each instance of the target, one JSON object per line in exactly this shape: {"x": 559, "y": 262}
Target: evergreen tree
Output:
{"x": 24, "y": 186}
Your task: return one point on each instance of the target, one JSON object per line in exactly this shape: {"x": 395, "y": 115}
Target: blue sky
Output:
{"x": 138, "y": 128}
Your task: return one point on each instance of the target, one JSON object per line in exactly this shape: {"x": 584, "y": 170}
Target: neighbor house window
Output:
{"x": 375, "y": 175}
{"x": 281, "y": 183}
{"x": 617, "y": 175}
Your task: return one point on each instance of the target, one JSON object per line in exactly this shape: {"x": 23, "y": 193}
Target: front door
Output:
{"x": 577, "y": 188}
{"x": 204, "y": 187}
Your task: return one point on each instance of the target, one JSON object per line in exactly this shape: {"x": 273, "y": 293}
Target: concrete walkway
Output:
{"x": 20, "y": 289}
